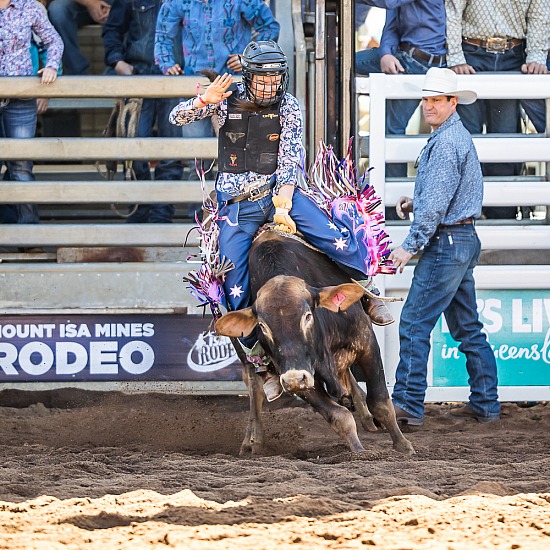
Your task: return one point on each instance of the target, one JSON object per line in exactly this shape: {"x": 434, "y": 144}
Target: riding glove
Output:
{"x": 282, "y": 218}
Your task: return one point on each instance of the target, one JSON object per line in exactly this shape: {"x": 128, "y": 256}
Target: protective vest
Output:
{"x": 249, "y": 141}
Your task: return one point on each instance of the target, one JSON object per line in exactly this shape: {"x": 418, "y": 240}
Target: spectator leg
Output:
{"x": 19, "y": 122}
{"x": 536, "y": 109}
{"x": 199, "y": 129}
{"x": 499, "y": 116}
{"x": 142, "y": 168}
{"x": 67, "y": 17}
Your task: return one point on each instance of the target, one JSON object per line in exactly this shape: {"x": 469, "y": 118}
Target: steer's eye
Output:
{"x": 263, "y": 328}
{"x": 308, "y": 318}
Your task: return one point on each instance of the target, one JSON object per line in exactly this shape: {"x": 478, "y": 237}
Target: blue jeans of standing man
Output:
{"x": 158, "y": 109}
{"x": 500, "y": 116}
{"x": 443, "y": 282}
{"x": 18, "y": 121}
{"x": 398, "y": 111}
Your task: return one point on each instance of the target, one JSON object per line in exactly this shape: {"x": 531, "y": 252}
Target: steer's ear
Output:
{"x": 339, "y": 298}
{"x": 237, "y": 324}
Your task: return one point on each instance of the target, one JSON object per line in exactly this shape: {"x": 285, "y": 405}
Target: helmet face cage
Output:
{"x": 265, "y": 73}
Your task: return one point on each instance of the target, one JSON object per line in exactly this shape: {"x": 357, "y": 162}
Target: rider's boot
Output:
{"x": 376, "y": 309}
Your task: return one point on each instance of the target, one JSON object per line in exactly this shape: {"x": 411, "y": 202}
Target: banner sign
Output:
{"x": 517, "y": 324}
{"x": 59, "y": 348}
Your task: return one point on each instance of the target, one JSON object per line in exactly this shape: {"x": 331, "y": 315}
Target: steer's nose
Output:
{"x": 295, "y": 381}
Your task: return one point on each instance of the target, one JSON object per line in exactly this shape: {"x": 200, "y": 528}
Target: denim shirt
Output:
{"x": 210, "y": 31}
{"x": 449, "y": 183}
{"x": 129, "y": 34}
{"x": 418, "y": 22}
{"x": 290, "y": 154}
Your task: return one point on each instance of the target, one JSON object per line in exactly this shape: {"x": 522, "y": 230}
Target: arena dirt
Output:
{"x": 96, "y": 470}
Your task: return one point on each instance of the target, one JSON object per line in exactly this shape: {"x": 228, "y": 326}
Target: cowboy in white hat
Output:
{"x": 440, "y": 96}
{"x": 448, "y": 194}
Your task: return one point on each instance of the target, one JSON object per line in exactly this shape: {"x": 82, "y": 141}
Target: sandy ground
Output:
{"x": 93, "y": 470}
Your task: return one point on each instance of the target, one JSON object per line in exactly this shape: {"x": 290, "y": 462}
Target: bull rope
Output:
{"x": 300, "y": 239}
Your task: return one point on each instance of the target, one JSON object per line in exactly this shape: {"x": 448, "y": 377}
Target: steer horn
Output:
{"x": 377, "y": 297}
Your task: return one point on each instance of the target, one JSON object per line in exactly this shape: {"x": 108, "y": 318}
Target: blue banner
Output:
{"x": 57, "y": 348}
{"x": 517, "y": 324}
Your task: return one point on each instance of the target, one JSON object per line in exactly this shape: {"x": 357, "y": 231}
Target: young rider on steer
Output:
{"x": 260, "y": 149}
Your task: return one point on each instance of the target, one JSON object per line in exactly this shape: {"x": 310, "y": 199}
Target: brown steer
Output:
{"x": 309, "y": 318}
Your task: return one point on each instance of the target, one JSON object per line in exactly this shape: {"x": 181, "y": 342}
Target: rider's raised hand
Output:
{"x": 218, "y": 90}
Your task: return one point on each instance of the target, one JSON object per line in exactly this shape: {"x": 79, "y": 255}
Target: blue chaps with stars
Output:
{"x": 239, "y": 222}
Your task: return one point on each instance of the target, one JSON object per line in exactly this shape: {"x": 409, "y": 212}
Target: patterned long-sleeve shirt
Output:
{"x": 290, "y": 146}
{"x": 482, "y": 19}
{"x": 211, "y": 31}
{"x": 18, "y": 20}
{"x": 449, "y": 183}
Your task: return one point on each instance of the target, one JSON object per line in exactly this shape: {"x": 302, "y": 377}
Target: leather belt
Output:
{"x": 495, "y": 44}
{"x": 467, "y": 221}
{"x": 415, "y": 53}
{"x": 254, "y": 194}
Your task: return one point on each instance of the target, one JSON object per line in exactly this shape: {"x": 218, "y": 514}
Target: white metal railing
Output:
{"x": 491, "y": 148}
{"x": 93, "y": 149}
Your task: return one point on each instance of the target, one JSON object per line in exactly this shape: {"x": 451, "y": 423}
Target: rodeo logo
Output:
{"x": 211, "y": 352}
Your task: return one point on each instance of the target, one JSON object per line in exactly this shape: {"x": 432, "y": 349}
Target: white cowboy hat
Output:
{"x": 445, "y": 82}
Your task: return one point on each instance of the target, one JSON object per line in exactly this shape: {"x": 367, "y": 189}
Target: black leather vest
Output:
{"x": 249, "y": 141}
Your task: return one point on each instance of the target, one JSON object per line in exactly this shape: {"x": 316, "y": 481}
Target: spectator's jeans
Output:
{"x": 18, "y": 121}
{"x": 536, "y": 109}
{"x": 500, "y": 116}
{"x": 67, "y": 16}
{"x": 198, "y": 129}
{"x": 398, "y": 111}
{"x": 443, "y": 282}
{"x": 158, "y": 109}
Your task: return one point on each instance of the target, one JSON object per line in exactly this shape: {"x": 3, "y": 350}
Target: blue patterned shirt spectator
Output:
{"x": 213, "y": 33}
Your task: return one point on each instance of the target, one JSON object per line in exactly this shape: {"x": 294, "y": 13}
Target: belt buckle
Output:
{"x": 257, "y": 193}
{"x": 496, "y": 44}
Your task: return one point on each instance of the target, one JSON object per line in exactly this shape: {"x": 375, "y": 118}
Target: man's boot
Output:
{"x": 263, "y": 367}
{"x": 376, "y": 309}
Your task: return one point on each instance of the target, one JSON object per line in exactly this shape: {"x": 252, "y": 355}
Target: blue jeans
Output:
{"x": 536, "y": 109}
{"x": 398, "y": 111}
{"x": 18, "y": 121}
{"x": 500, "y": 116}
{"x": 67, "y": 17}
{"x": 151, "y": 110}
{"x": 240, "y": 221}
{"x": 198, "y": 129}
{"x": 443, "y": 282}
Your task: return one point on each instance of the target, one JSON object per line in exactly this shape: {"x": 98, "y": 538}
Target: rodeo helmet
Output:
{"x": 264, "y": 58}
